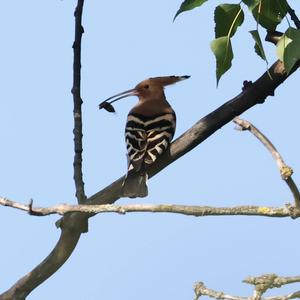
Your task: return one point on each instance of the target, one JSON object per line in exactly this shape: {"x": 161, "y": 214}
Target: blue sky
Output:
{"x": 148, "y": 256}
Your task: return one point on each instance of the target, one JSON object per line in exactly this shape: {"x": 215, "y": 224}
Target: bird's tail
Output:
{"x": 135, "y": 185}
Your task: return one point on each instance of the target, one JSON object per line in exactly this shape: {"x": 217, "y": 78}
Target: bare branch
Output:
{"x": 261, "y": 285}
{"x": 201, "y": 290}
{"x": 285, "y": 171}
{"x": 284, "y": 297}
{"x": 254, "y": 94}
{"x": 79, "y": 184}
{"x": 71, "y": 230}
{"x": 189, "y": 210}
{"x": 270, "y": 281}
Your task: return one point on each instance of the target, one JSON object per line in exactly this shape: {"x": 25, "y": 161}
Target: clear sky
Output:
{"x": 139, "y": 256}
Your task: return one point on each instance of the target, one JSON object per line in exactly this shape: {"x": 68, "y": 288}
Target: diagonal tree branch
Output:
{"x": 294, "y": 17}
{"x": 253, "y": 94}
{"x": 60, "y": 253}
{"x": 285, "y": 171}
{"x": 188, "y": 210}
{"x": 270, "y": 281}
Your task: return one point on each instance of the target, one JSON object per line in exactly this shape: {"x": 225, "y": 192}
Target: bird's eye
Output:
{"x": 146, "y": 86}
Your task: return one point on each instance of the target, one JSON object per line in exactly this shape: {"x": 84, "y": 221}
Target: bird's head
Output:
{"x": 151, "y": 88}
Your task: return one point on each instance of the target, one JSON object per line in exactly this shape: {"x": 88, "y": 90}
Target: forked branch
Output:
{"x": 261, "y": 285}
{"x": 285, "y": 171}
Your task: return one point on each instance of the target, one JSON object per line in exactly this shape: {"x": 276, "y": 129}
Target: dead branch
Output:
{"x": 261, "y": 285}
{"x": 188, "y": 210}
{"x": 201, "y": 290}
{"x": 285, "y": 171}
{"x": 254, "y": 93}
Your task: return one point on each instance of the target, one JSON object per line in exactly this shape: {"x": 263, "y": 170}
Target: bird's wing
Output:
{"x": 136, "y": 142}
{"x": 147, "y": 138}
{"x": 160, "y": 132}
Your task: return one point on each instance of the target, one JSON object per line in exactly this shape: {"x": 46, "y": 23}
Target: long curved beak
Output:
{"x": 131, "y": 92}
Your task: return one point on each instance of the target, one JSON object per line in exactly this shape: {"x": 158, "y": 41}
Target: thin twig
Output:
{"x": 285, "y": 297}
{"x": 201, "y": 290}
{"x": 285, "y": 171}
{"x": 294, "y": 17}
{"x": 78, "y": 177}
{"x": 270, "y": 281}
{"x": 261, "y": 285}
{"x": 188, "y": 210}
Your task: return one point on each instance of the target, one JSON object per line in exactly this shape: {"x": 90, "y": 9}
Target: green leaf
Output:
{"x": 281, "y": 45}
{"x": 288, "y": 48}
{"x": 258, "y": 44}
{"x": 227, "y": 18}
{"x": 269, "y": 13}
{"x": 188, "y": 5}
{"x": 222, "y": 50}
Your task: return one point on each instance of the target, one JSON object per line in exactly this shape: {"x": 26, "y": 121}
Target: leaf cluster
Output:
{"x": 268, "y": 14}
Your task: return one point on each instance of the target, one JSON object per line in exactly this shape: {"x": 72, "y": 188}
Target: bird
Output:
{"x": 149, "y": 129}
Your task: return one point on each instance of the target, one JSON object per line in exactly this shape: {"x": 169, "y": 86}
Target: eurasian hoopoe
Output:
{"x": 149, "y": 130}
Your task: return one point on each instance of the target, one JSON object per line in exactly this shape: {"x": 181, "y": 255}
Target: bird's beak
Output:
{"x": 184, "y": 77}
{"x": 105, "y": 104}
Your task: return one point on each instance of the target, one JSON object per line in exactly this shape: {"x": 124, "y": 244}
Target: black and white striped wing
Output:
{"x": 136, "y": 141}
{"x": 160, "y": 131}
{"x": 147, "y": 137}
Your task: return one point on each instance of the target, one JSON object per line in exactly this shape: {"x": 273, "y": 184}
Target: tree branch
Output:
{"x": 79, "y": 184}
{"x": 285, "y": 171}
{"x": 255, "y": 93}
{"x": 188, "y": 210}
{"x": 294, "y": 17}
{"x": 270, "y": 281}
{"x": 261, "y": 285}
{"x": 201, "y": 290}
{"x": 71, "y": 230}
